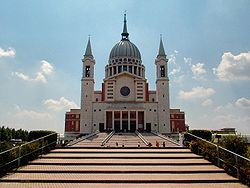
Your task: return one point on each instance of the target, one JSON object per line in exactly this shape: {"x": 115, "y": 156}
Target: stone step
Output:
{"x": 120, "y": 169}
{"x": 120, "y": 178}
{"x": 122, "y": 156}
{"x": 121, "y": 150}
{"x": 121, "y": 185}
{"x": 198, "y": 161}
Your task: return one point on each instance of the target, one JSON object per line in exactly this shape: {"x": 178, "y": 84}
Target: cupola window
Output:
{"x": 130, "y": 69}
{"x": 135, "y": 70}
{"x": 125, "y": 67}
{"x": 119, "y": 69}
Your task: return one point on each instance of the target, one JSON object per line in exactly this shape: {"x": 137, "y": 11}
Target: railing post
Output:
{"x": 237, "y": 166}
{"x": 180, "y": 140}
{"x": 19, "y": 156}
{"x": 43, "y": 144}
{"x": 218, "y": 155}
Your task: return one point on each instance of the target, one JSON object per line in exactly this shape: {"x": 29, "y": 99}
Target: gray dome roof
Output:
{"x": 125, "y": 48}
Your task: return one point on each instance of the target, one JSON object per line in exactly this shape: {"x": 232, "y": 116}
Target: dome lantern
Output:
{"x": 125, "y": 48}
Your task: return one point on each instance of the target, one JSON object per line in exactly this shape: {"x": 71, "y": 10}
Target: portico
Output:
{"x": 125, "y": 120}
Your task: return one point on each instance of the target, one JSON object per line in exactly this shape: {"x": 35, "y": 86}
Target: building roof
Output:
{"x": 161, "y": 52}
{"x": 125, "y": 48}
{"x": 88, "y": 51}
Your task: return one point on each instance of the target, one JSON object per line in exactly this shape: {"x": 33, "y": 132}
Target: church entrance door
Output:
{"x": 101, "y": 127}
{"x": 148, "y": 127}
{"x": 132, "y": 126}
{"x": 117, "y": 126}
{"x": 125, "y": 126}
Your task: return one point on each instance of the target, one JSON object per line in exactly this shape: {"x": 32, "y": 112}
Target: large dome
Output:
{"x": 125, "y": 48}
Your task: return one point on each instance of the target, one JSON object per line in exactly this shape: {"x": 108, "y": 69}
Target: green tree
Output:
{"x": 235, "y": 143}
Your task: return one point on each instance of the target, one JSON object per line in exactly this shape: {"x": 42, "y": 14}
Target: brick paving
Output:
{"x": 121, "y": 150}
{"x": 120, "y": 168}
{"x": 124, "y": 155}
{"x": 138, "y": 177}
{"x": 121, "y": 185}
{"x": 121, "y": 161}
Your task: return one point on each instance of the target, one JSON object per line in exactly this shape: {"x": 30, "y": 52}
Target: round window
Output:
{"x": 125, "y": 91}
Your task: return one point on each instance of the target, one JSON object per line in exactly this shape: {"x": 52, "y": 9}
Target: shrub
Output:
{"x": 236, "y": 144}
{"x": 205, "y": 134}
{"x": 194, "y": 146}
{"x": 38, "y": 134}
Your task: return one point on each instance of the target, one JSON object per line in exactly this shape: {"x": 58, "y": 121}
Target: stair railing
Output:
{"x": 142, "y": 138}
{"x": 19, "y": 155}
{"x": 226, "y": 158}
{"x": 82, "y": 138}
{"x": 166, "y": 138}
{"x": 107, "y": 138}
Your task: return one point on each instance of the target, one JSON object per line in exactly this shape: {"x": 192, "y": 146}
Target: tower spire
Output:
{"x": 125, "y": 33}
{"x": 88, "y": 52}
{"x": 161, "y": 52}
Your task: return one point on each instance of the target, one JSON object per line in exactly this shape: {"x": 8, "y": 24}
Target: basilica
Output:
{"x": 125, "y": 103}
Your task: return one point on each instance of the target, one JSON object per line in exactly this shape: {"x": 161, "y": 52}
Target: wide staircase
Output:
{"x": 93, "y": 141}
{"x": 125, "y": 140}
{"x": 152, "y": 138}
{"x": 118, "y": 166}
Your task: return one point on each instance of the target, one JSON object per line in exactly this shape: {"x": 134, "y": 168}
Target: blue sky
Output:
{"x": 207, "y": 43}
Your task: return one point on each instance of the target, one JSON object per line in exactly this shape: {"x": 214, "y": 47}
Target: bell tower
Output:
{"x": 87, "y": 91}
{"x": 162, "y": 90}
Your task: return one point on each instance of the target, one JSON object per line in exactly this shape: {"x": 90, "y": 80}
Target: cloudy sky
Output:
{"x": 207, "y": 43}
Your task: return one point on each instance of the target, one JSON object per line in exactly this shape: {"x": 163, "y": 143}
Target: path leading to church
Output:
{"x": 77, "y": 167}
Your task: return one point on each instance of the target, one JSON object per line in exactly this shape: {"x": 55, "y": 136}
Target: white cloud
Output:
{"x": 59, "y": 105}
{"x": 196, "y": 92}
{"x": 198, "y": 70}
{"x": 233, "y": 68}
{"x": 40, "y": 77}
{"x": 46, "y": 69}
{"x": 233, "y": 114}
{"x": 243, "y": 103}
{"x": 21, "y": 76}
{"x": 7, "y": 53}
{"x": 240, "y": 122}
{"x": 172, "y": 58}
{"x": 207, "y": 102}
{"x": 175, "y": 71}
{"x": 23, "y": 113}
{"x": 188, "y": 61}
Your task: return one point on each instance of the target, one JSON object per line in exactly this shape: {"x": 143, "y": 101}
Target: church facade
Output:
{"x": 125, "y": 102}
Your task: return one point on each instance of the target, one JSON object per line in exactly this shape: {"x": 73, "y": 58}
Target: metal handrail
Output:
{"x": 218, "y": 154}
{"x": 27, "y": 143}
{"x": 142, "y": 138}
{"x": 220, "y": 147}
{"x": 19, "y": 156}
{"x": 107, "y": 138}
{"x": 82, "y": 138}
{"x": 165, "y": 138}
